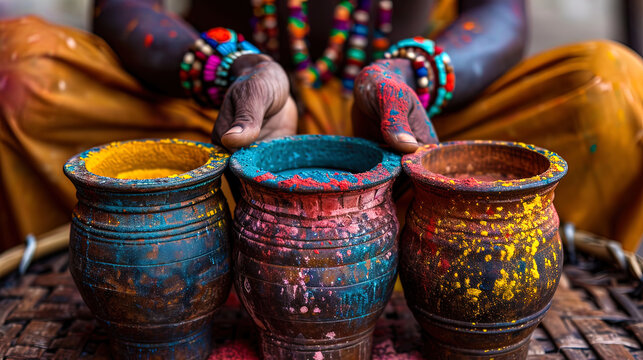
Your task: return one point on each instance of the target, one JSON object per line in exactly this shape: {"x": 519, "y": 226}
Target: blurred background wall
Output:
{"x": 553, "y": 22}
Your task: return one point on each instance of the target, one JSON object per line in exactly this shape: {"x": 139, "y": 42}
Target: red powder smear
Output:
{"x": 297, "y": 182}
{"x": 490, "y": 211}
{"x": 235, "y": 350}
{"x": 172, "y": 34}
{"x": 469, "y": 25}
{"x": 264, "y": 177}
{"x": 149, "y": 38}
{"x": 466, "y": 38}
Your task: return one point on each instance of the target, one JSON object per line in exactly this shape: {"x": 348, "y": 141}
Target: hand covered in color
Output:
{"x": 257, "y": 105}
{"x": 386, "y": 108}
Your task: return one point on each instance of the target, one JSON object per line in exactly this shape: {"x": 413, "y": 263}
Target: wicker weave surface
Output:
{"x": 594, "y": 316}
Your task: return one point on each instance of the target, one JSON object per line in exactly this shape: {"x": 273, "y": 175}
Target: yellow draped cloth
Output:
{"x": 63, "y": 91}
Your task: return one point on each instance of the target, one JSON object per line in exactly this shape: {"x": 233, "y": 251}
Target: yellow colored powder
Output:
{"x": 140, "y": 174}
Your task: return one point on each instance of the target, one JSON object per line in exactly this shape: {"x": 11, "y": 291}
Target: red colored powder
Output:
{"x": 149, "y": 38}
{"x": 236, "y": 350}
{"x": 264, "y": 177}
{"x": 172, "y": 34}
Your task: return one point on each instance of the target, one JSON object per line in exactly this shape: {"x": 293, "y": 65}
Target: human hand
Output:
{"x": 257, "y": 105}
{"x": 386, "y": 108}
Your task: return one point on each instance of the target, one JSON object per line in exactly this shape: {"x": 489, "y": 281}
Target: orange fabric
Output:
{"x": 63, "y": 91}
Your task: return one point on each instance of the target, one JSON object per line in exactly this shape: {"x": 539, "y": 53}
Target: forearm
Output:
{"x": 149, "y": 41}
{"x": 486, "y": 41}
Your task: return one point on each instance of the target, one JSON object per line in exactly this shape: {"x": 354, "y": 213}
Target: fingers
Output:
{"x": 239, "y": 122}
{"x": 258, "y": 95}
{"x": 383, "y": 96}
{"x": 420, "y": 123}
{"x": 283, "y": 123}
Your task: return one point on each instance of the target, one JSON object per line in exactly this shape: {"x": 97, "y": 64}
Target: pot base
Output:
{"x": 356, "y": 348}
{"x": 439, "y": 351}
{"x": 194, "y": 347}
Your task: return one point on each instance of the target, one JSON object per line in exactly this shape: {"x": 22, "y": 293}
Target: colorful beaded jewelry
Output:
{"x": 264, "y": 24}
{"x": 354, "y": 30}
{"x": 383, "y": 28}
{"x": 358, "y": 40}
{"x": 205, "y": 69}
{"x": 439, "y": 63}
{"x": 298, "y": 28}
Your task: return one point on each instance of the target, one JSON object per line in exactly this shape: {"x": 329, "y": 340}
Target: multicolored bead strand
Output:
{"x": 204, "y": 71}
{"x": 383, "y": 28}
{"x": 264, "y": 24}
{"x": 358, "y": 40}
{"x": 440, "y": 66}
{"x": 298, "y": 27}
{"x": 318, "y": 72}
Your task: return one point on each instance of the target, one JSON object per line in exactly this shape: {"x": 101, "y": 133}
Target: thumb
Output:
{"x": 239, "y": 122}
{"x": 394, "y": 109}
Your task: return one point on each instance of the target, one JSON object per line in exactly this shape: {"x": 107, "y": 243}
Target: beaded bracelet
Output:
{"x": 205, "y": 69}
{"x": 434, "y": 95}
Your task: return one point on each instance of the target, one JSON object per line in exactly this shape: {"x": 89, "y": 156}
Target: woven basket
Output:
{"x": 595, "y": 315}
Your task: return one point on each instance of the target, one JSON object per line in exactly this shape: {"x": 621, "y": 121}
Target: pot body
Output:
{"x": 315, "y": 249}
{"x": 479, "y": 268}
{"x": 152, "y": 266}
{"x": 316, "y": 270}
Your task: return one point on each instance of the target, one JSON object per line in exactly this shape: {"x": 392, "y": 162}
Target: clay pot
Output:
{"x": 315, "y": 243}
{"x": 149, "y": 245}
{"x": 480, "y": 253}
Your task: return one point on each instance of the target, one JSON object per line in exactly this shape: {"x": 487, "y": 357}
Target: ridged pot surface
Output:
{"x": 480, "y": 255}
{"x": 315, "y": 243}
{"x": 150, "y": 253}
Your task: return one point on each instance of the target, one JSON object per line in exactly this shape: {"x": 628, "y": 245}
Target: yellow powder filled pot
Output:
{"x": 480, "y": 256}
{"x": 149, "y": 247}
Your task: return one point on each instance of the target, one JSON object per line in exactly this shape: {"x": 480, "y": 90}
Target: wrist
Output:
{"x": 434, "y": 74}
{"x": 207, "y": 67}
{"x": 246, "y": 63}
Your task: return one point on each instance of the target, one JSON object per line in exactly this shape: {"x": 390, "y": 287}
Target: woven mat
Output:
{"x": 594, "y": 316}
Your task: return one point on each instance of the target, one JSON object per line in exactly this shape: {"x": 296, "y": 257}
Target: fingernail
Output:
{"x": 234, "y": 130}
{"x": 406, "y": 138}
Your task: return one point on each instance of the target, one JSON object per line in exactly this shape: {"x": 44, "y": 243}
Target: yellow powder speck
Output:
{"x": 511, "y": 249}
{"x": 473, "y": 292}
{"x": 484, "y": 233}
{"x": 534, "y": 270}
{"x": 487, "y": 258}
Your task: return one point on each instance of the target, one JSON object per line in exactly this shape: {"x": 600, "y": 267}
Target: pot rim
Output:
{"x": 412, "y": 164}
{"x": 75, "y": 169}
{"x": 243, "y": 166}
